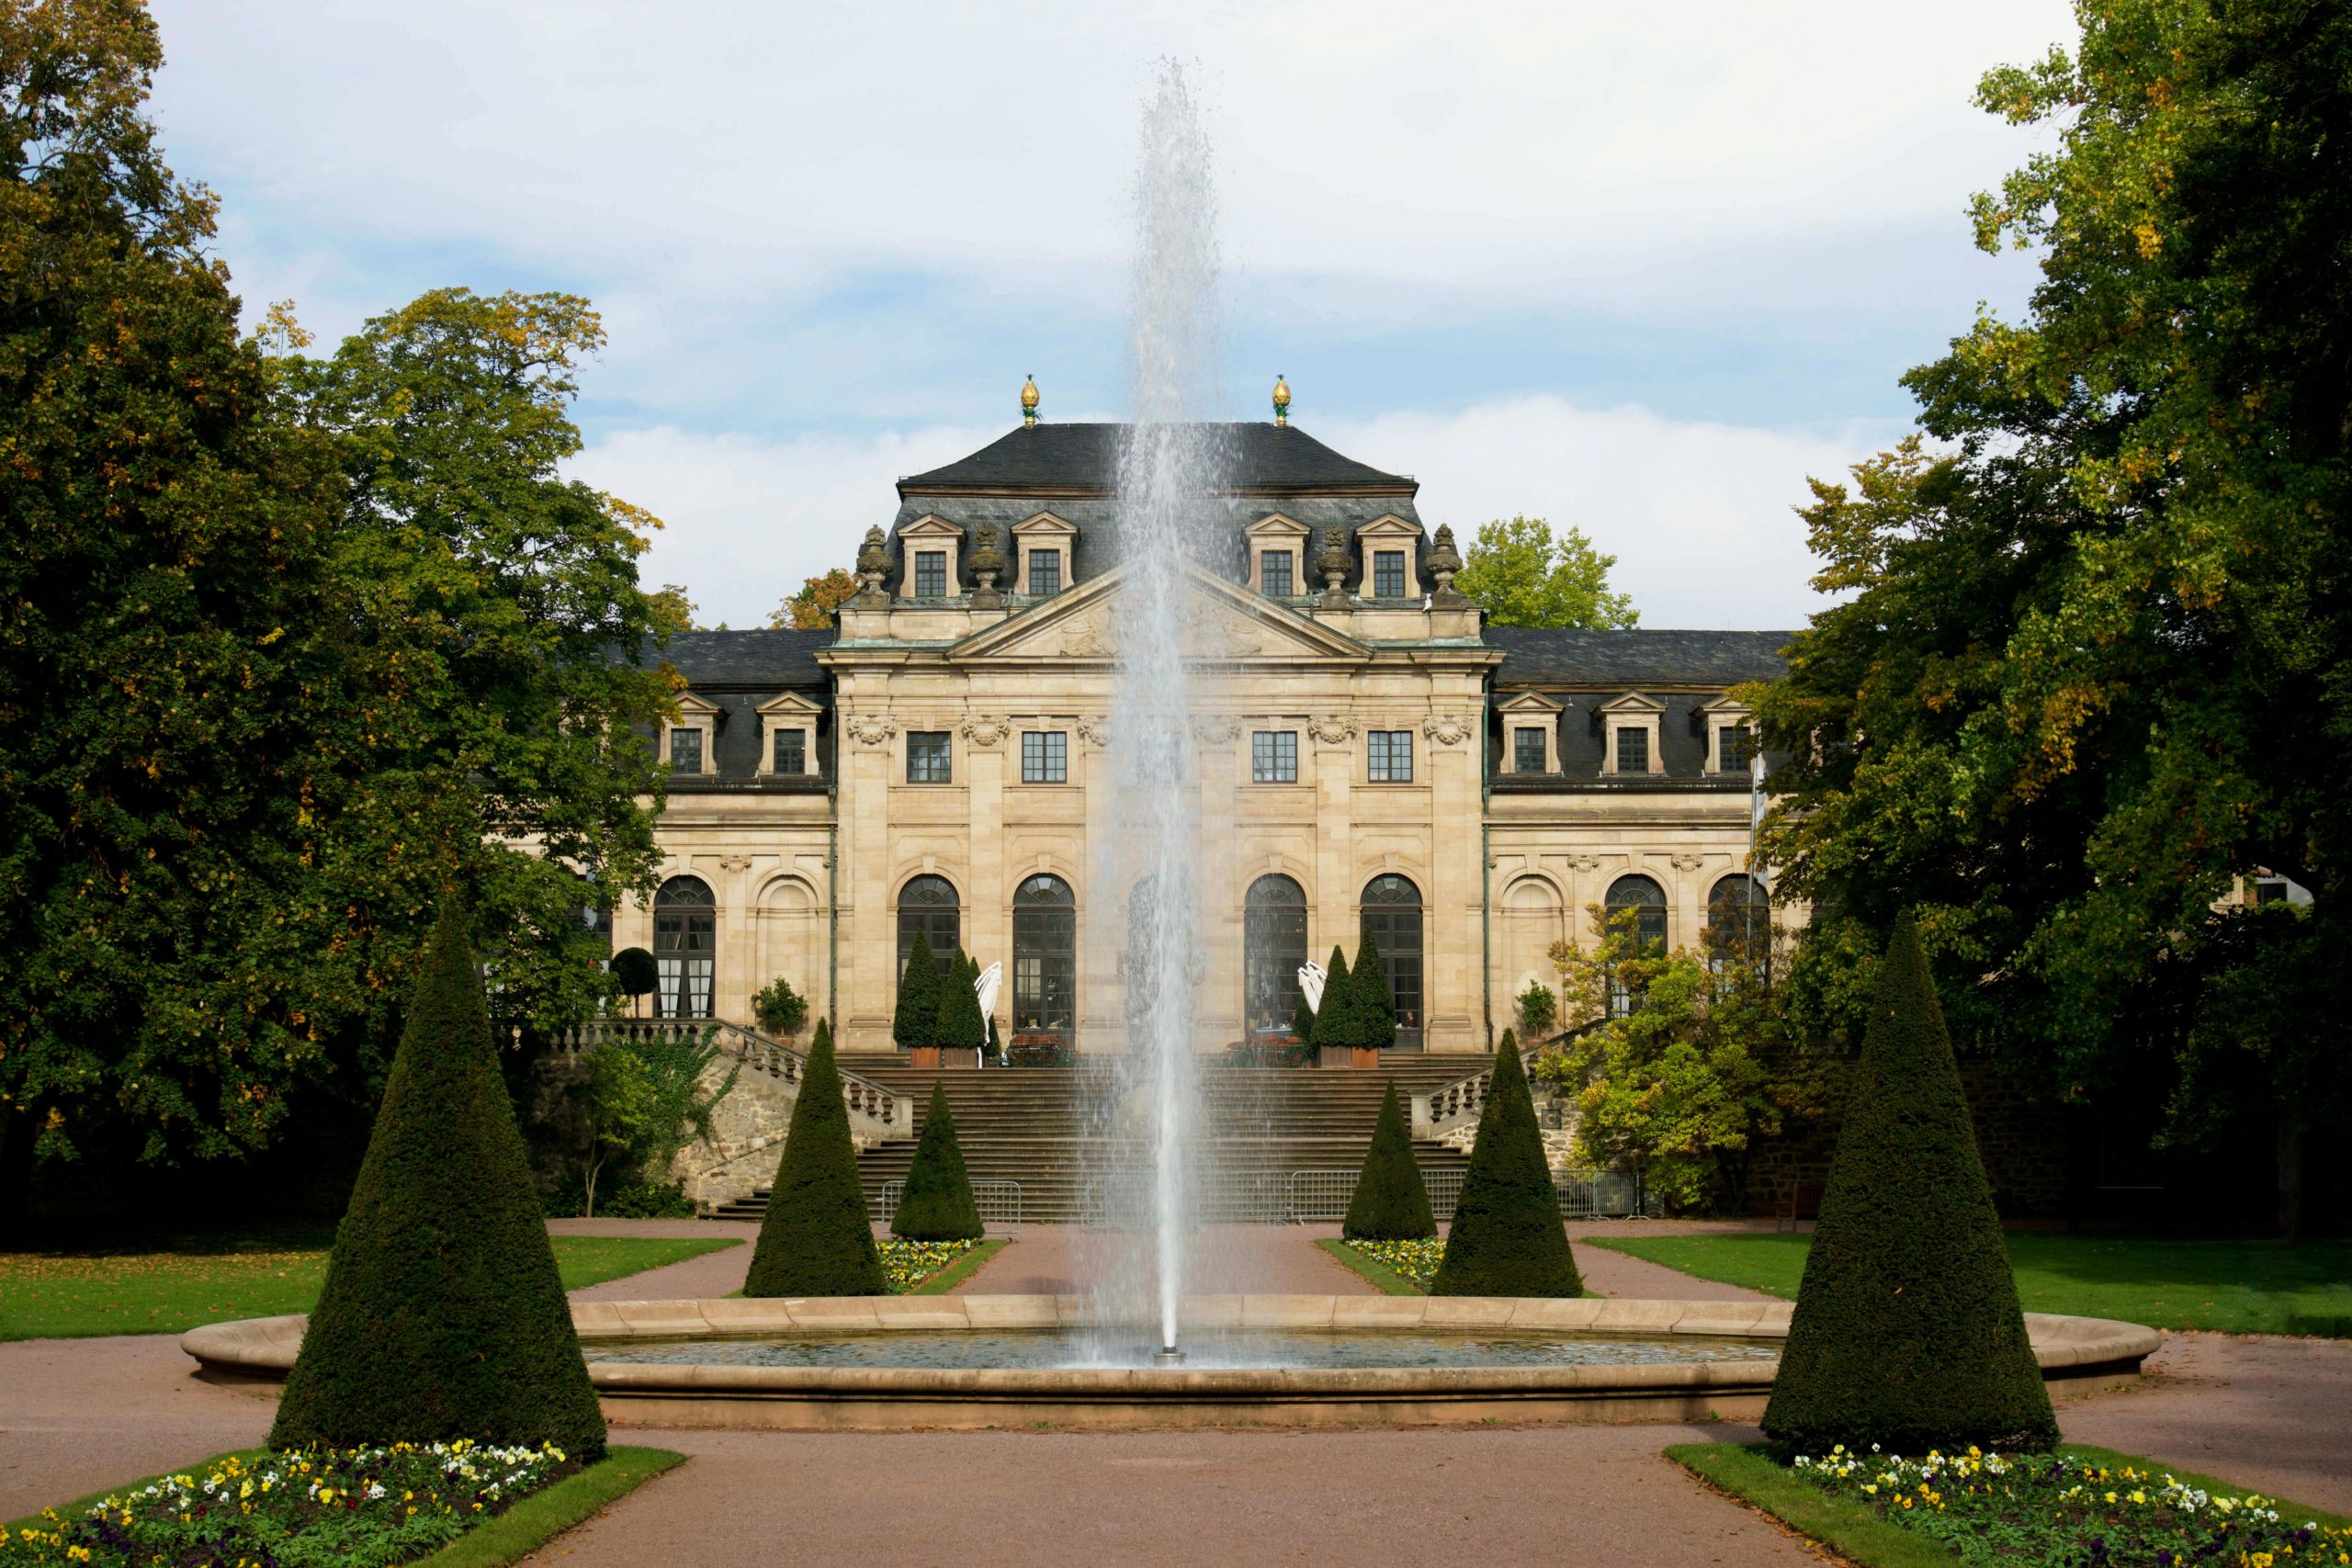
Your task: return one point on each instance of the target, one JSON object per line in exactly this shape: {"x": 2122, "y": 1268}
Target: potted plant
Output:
{"x": 1371, "y": 1004}
{"x": 780, "y": 1009}
{"x": 914, "y": 1028}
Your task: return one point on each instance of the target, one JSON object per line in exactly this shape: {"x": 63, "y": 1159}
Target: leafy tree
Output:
{"x": 816, "y": 1239}
{"x": 1907, "y": 1331}
{"x": 673, "y": 608}
{"x": 1508, "y": 1238}
{"x": 960, "y": 1023}
{"x": 635, "y": 972}
{"x": 1335, "y": 1020}
{"x": 616, "y": 1100}
{"x": 1390, "y": 1203}
{"x": 2088, "y": 674}
{"x": 1538, "y": 1009}
{"x": 937, "y": 1204}
{"x": 915, "y": 1025}
{"x": 442, "y": 1315}
{"x": 812, "y": 609}
{"x": 1693, "y": 1079}
{"x": 779, "y": 1008}
{"x": 1302, "y": 1021}
{"x": 1525, "y": 576}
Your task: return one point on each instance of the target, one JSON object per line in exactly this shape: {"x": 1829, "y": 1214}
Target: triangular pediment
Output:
{"x": 1222, "y": 621}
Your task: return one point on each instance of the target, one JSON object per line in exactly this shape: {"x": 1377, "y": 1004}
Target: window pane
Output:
{"x": 1273, "y": 756}
{"x": 1391, "y": 756}
{"x": 1633, "y": 750}
{"x": 927, "y": 758}
{"x": 1648, "y": 900}
{"x": 930, "y": 574}
{"x": 1392, "y": 918}
{"x": 685, "y": 941}
{"x": 1274, "y": 570}
{"x": 1044, "y": 957}
{"x": 791, "y": 751}
{"x": 1739, "y": 748}
{"x": 1389, "y": 574}
{"x": 1044, "y": 757}
{"x": 928, "y": 905}
{"x": 1273, "y": 946}
{"x": 1527, "y": 750}
{"x": 1045, "y": 572}
{"x": 685, "y": 751}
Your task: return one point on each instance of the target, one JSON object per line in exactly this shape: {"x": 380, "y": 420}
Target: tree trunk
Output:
{"x": 2290, "y": 1173}
{"x": 18, "y": 1130}
{"x": 588, "y": 1205}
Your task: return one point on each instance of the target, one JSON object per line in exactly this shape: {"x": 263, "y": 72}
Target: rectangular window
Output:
{"x": 1633, "y": 750}
{"x": 1739, "y": 746}
{"x": 930, "y": 574}
{"x": 1044, "y": 573}
{"x": 2270, "y": 890}
{"x": 685, "y": 751}
{"x": 1274, "y": 570}
{"x": 1389, "y": 574}
{"x": 1273, "y": 756}
{"x": 1391, "y": 756}
{"x": 791, "y": 751}
{"x": 927, "y": 756}
{"x": 1044, "y": 757}
{"x": 1526, "y": 750}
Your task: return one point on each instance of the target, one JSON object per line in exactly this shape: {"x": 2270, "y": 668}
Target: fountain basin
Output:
{"x": 878, "y": 1398}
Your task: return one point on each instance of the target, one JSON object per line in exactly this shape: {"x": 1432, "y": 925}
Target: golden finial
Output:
{"x": 1029, "y": 400}
{"x": 1282, "y": 400}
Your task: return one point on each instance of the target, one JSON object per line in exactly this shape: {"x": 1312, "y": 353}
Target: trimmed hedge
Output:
{"x": 1508, "y": 1238}
{"x": 1390, "y": 1204}
{"x": 1302, "y": 1021}
{"x": 1334, "y": 1020}
{"x": 1907, "y": 1331}
{"x": 960, "y": 1023}
{"x": 443, "y": 1315}
{"x": 816, "y": 1240}
{"x": 1375, "y": 1005}
{"x": 937, "y": 1204}
{"x": 915, "y": 1025}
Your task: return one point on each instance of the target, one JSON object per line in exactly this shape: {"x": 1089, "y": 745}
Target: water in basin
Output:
{"x": 1047, "y": 1349}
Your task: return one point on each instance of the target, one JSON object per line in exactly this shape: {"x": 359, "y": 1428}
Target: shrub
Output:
{"x": 916, "y": 1023}
{"x": 1334, "y": 1019}
{"x": 1508, "y": 1238}
{"x": 824, "y": 1035}
{"x": 1907, "y": 1331}
{"x": 1374, "y": 1006}
{"x": 1302, "y": 1021}
{"x": 442, "y": 1315}
{"x": 780, "y": 1009}
{"x": 816, "y": 1240}
{"x": 937, "y": 1204}
{"x": 1538, "y": 1010}
{"x": 635, "y": 972}
{"x": 960, "y": 1023}
{"x": 1390, "y": 1201}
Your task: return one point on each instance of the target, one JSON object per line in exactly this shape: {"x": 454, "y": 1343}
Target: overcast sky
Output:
{"x": 1637, "y": 268}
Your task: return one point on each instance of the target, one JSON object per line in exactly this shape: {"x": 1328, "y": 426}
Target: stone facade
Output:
{"x": 954, "y": 735}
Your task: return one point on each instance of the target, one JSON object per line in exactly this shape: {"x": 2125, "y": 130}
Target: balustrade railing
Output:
{"x": 886, "y": 1115}
{"x": 1456, "y": 1105}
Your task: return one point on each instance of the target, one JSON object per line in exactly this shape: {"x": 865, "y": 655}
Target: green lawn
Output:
{"x": 170, "y": 1286}
{"x": 2239, "y": 1287}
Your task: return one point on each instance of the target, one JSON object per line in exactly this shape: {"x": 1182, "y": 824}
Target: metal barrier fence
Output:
{"x": 1322, "y": 1195}
{"x": 999, "y": 1200}
{"x": 1123, "y": 1200}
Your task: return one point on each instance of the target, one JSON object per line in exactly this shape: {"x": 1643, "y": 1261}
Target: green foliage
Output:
{"x": 817, "y": 603}
{"x": 1538, "y": 1010}
{"x": 1692, "y": 1079}
{"x": 916, "y": 1023}
{"x": 816, "y": 1240}
{"x": 2086, "y": 671}
{"x": 1507, "y": 1239}
{"x": 635, "y": 972}
{"x": 638, "y": 1103}
{"x": 824, "y": 1035}
{"x": 1390, "y": 1204}
{"x": 443, "y": 1315}
{"x": 1302, "y": 1021}
{"x": 1373, "y": 1005}
{"x": 1907, "y": 1331}
{"x": 1525, "y": 576}
{"x": 779, "y": 1008}
{"x": 1335, "y": 1020}
{"x": 937, "y": 1204}
{"x": 960, "y": 1023}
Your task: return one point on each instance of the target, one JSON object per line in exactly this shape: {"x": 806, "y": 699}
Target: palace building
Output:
{"x": 1373, "y": 758}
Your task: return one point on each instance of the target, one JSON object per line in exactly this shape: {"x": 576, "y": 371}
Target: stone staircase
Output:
{"x": 1048, "y": 1128}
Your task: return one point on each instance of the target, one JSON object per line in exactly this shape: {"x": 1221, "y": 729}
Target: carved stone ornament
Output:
{"x": 1689, "y": 862}
{"x": 873, "y": 565}
{"x": 1586, "y": 864}
{"x": 982, "y": 731}
{"x": 1445, "y": 728}
{"x": 1216, "y": 730}
{"x": 737, "y": 863}
{"x": 871, "y": 730}
{"x": 1332, "y": 728}
{"x": 1094, "y": 731}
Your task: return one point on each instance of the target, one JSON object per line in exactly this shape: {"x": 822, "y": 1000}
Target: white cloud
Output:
{"x": 1697, "y": 514}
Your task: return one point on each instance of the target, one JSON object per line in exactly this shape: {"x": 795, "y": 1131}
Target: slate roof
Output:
{"x": 1264, "y": 458}
{"x": 768, "y": 659}
{"x": 1621, "y": 661}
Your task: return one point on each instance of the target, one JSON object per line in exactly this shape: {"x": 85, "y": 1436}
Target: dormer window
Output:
{"x": 1044, "y": 573}
{"x": 1044, "y": 556}
{"x": 689, "y": 745}
{"x": 1389, "y": 544}
{"x": 685, "y": 751}
{"x": 1531, "y": 726}
{"x": 930, "y": 574}
{"x": 1633, "y": 750}
{"x": 1274, "y": 571}
{"x": 1631, "y": 722}
{"x": 789, "y": 723}
{"x": 1527, "y": 749}
{"x": 1277, "y": 557}
{"x": 1389, "y": 574}
{"x": 1731, "y": 736}
{"x": 931, "y": 546}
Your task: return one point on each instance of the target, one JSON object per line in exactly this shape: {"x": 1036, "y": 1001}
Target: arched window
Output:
{"x": 1044, "y": 957}
{"x": 1273, "y": 946}
{"x": 1739, "y": 923}
{"x": 1392, "y": 918}
{"x": 928, "y": 904}
{"x": 1646, "y": 900}
{"x": 685, "y": 947}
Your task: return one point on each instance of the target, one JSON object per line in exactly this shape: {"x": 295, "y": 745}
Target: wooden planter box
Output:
{"x": 925, "y": 1056}
{"x": 1365, "y": 1056}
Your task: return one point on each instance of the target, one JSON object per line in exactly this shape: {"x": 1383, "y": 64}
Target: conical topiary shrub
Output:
{"x": 1375, "y": 1007}
{"x": 443, "y": 1315}
{"x": 937, "y": 1204}
{"x": 1390, "y": 1201}
{"x": 824, "y": 1035}
{"x": 1334, "y": 1017}
{"x": 1302, "y": 1021}
{"x": 1907, "y": 1331}
{"x": 915, "y": 1026}
{"x": 816, "y": 1240}
{"x": 960, "y": 1023}
{"x": 1507, "y": 1237}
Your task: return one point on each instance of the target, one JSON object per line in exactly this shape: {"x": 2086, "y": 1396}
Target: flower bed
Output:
{"x": 308, "y": 1508}
{"x": 909, "y": 1263}
{"x": 1984, "y": 1508}
{"x": 1415, "y": 1261}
